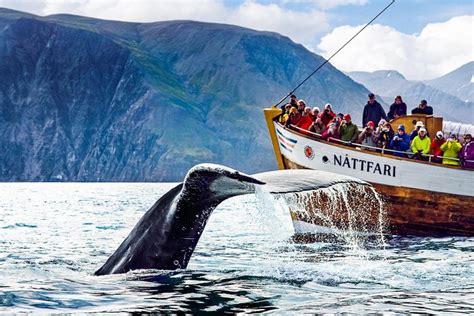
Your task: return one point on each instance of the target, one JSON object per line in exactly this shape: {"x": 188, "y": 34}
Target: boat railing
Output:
{"x": 382, "y": 150}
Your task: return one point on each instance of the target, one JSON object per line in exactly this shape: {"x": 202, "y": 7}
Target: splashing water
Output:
{"x": 352, "y": 214}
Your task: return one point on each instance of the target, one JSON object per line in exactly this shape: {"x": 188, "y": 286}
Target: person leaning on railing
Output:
{"x": 467, "y": 153}
{"x": 348, "y": 130}
{"x": 400, "y": 142}
{"x": 435, "y": 147}
{"x": 451, "y": 149}
{"x": 420, "y": 145}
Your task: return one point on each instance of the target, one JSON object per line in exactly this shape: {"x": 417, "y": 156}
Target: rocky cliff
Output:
{"x": 83, "y": 99}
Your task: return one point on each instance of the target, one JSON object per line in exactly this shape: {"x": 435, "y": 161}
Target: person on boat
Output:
{"x": 348, "y": 130}
{"x": 385, "y": 136}
{"x": 414, "y": 133}
{"x": 397, "y": 109}
{"x": 293, "y": 118}
{"x": 373, "y": 111}
{"x": 316, "y": 112}
{"x": 318, "y": 126}
{"x": 306, "y": 119}
{"x": 332, "y": 129}
{"x": 421, "y": 144}
{"x": 451, "y": 149}
{"x": 400, "y": 142}
{"x": 327, "y": 115}
{"x": 294, "y": 101}
{"x": 284, "y": 115}
{"x": 436, "y": 146}
{"x": 423, "y": 108}
{"x": 301, "y": 106}
{"x": 367, "y": 138}
{"x": 467, "y": 153}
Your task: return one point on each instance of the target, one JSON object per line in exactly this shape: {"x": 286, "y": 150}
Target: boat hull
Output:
{"x": 409, "y": 211}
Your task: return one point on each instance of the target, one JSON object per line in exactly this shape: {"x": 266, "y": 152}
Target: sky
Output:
{"x": 422, "y": 39}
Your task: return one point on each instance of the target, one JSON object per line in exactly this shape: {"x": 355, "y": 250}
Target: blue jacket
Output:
{"x": 402, "y": 144}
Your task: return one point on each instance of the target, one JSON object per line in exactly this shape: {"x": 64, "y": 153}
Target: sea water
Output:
{"x": 53, "y": 236}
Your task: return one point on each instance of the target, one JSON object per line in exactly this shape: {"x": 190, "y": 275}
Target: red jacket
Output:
{"x": 305, "y": 122}
{"x": 435, "y": 147}
{"x": 326, "y": 118}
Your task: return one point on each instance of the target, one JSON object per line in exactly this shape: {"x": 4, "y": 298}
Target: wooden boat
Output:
{"x": 423, "y": 197}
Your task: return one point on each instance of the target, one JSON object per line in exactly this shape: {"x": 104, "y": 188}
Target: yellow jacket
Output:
{"x": 418, "y": 144}
{"x": 451, "y": 149}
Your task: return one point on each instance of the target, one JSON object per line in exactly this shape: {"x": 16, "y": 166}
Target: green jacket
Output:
{"x": 349, "y": 132}
{"x": 451, "y": 150}
{"x": 418, "y": 144}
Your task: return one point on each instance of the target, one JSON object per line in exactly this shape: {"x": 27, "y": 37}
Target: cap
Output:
{"x": 422, "y": 130}
{"x": 370, "y": 123}
{"x": 347, "y": 117}
{"x": 401, "y": 127}
{"x": 439, "y": 134}
{"x": 328, "y": 106}
{"x": 419, "y": 124}
{"x": 371, "y": 95}
{"x": 316, "y": 109}
{"x": 452, "y": 135}
{"x": 302, "y": 101}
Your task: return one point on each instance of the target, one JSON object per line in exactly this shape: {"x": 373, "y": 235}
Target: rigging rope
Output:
{"x": 327, "y": 60}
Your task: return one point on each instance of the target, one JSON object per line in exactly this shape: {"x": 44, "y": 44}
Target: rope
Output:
{"x": 327, "y": 60}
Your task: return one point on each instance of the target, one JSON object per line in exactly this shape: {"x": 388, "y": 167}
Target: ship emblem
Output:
{"x": 309, "y": 152}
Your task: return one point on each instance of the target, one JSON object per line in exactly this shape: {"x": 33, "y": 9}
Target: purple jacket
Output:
{"x": 467, "y": 153}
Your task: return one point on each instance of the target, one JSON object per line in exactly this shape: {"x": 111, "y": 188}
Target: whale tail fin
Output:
{"x": 166, "y": 235}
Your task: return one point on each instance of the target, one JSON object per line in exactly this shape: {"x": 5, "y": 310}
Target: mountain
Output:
{"x": 83, "y": 99}
{"x": 390, "y": 83}
{"x": 459, "y": 82}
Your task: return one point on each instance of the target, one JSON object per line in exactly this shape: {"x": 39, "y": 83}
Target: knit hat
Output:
{"x": 347, "y": 117}
{"x": 401, "y": 127}
{"x": 439, "y": 134}
{"x": 370, "y": 123}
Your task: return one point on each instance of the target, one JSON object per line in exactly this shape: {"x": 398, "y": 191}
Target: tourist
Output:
{"x": 327, "y": 115}
{"x": 294, "y": 101}
{"x": 400, "y": 142}
{"x": 348, "y": 130}
{"x": 467, "y": 153}
{"x": 315, "y": 113}
{"x": 421, "y": 144}
{"x": 436, "y": 146}
{"x": 306, "y": 119}
{"x": 318, "y": 126}
{"x": 301, "y": 106}
{"x": 367, "y": 138}
{"x": 451, "y": 149}
{"x": 414, "y": 133}
{"x": 373, "y": 111}
{"x": 284, "y": 115}
{"x": 332, "y": 129}
{"x": 397, "y": 109}
{"x": 423, "y": 108}
{"x": 293, "y": 118}
{"x": 384, "y": 138}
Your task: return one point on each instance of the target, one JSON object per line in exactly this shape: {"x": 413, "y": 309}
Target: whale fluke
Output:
{"x": 166, "y": 235}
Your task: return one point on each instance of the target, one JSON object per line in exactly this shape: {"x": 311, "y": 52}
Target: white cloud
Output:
{"x": 301, "y": 26}
{"x": 438, "y": 49}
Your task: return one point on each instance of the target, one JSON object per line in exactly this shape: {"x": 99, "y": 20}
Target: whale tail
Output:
{"x": 167, "y": 234}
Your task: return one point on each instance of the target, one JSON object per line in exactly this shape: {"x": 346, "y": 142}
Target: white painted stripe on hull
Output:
{"x": 402, "y": 173}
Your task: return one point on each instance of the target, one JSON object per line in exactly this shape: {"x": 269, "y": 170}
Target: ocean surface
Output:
{"x": 53, "y": 236}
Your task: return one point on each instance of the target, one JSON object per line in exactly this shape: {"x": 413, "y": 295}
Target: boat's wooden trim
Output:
{"x": 419, "y": 212}
{"x": 270, "y": 115}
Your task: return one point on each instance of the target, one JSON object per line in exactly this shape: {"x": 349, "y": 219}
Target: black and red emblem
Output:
{"x": 308, "y": 152}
